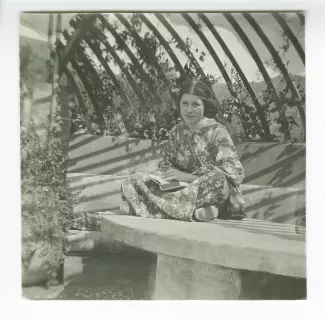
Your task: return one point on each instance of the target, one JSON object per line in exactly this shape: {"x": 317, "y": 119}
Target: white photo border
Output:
{"x": 16, "y": 308}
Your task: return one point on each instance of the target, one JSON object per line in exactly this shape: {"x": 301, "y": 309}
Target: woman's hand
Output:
{"x": 174, "y": 174}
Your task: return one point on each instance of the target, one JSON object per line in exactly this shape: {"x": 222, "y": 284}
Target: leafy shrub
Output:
{"x": 47, "y": 203}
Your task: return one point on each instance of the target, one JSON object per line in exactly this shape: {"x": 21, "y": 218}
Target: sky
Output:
{"x": 36, "y": 25}
{"x": 268, "y": 25}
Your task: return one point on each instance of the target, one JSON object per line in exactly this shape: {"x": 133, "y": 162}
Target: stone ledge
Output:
{"x": 265, "y": 163}
{"x": 94, "y": 242}
{"x": 102, "y": 193}
{"x": 213, "y": 243}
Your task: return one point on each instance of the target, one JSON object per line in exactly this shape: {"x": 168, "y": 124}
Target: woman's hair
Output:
{"x": 200, "y": 89}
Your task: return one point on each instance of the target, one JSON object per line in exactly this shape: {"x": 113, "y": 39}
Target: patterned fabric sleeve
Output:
{"x": 226, "y": 159}
{"x": 169, "y": 152}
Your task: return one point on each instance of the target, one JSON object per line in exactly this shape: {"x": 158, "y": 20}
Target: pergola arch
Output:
{"x": 91, "y": 26}
{"x": 129, "y": 53}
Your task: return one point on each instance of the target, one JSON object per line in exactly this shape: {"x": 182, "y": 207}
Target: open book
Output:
{"x": 173, "y": 185}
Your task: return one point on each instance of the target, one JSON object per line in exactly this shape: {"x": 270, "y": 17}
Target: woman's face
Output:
{"x": 192, "y": 108}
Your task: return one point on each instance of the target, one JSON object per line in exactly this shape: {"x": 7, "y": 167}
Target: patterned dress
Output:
{"x": 207, "y": 152}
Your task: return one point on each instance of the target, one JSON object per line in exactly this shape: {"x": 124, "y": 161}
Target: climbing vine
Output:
{"x": 152, "y": 118}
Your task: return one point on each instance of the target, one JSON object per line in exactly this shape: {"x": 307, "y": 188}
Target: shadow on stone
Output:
{"x": 266, "y": 286}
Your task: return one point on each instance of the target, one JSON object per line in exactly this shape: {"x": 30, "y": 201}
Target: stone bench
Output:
{"x": 197, "y": 260}
{"x": 204, "y": 260}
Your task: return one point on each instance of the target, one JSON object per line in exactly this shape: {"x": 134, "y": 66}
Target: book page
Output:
{"x": 158, "y": 179}
{"x": 161, "y": 181}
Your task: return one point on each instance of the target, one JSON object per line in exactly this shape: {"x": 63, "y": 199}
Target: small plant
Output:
{"x": 47, "y": 203}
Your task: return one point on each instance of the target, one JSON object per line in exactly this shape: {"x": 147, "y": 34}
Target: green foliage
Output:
{"x": 47, "y": 203}
{"x": 33, "y": 59}
{"x": 148, "y": 117}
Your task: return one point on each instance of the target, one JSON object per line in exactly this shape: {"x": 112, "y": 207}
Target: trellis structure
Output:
{"x": 89, "y": 54}
{"x": 90, "y": 39}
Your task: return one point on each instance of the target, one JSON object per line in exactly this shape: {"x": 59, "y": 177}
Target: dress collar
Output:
{"x": 207, "y": 122}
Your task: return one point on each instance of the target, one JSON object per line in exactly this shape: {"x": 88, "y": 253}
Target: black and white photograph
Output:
{"x": 163, "y": 155}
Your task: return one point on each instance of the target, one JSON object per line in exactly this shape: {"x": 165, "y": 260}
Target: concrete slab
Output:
{"x": 118, "y": 155}
{"x": 283, "y": 205}
{"x": 183, "y": 279}
{"x": 98, "y": 192}
{"x": 213, "y": 243}
{"x": 95, "y": 241}
{"x": 273, "y": 164}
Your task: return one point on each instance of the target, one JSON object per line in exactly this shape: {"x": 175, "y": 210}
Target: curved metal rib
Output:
{"x": 83, "y": 108}
{"x": 73, "y": 41}
{"x": 175, "y": 35}
{"x": 97, "y": 79}
{"x": 234, "y": 62}
{"x": 134, "y": 60}
{"x": 291, "y": 36}
{"x": 97, "y": 51}
{"x": 120, "y": 64}
{"x": 258, "y": 62}
{"x": 110, "y": 73}
{"x": 280, "y": 65}
{"x": 301, "y": 16}
{"x": 164, "y": 43}
{"x": 89, "y": 90}
{"x": 213, "y": 54}
{"x": 143, "y": 47}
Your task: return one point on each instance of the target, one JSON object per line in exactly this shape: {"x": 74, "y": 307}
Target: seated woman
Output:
{"x": 199, "y": 151}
